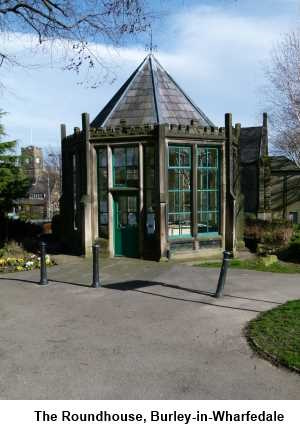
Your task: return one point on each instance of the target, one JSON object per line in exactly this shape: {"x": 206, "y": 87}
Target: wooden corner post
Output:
{"x": 229, "y": 195}
{"x": 162, "y": 184}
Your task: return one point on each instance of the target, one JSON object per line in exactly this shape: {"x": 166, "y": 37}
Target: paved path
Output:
{"x": 152, "y": 332}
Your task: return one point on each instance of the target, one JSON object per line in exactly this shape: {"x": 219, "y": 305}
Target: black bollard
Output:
{"x": 96, "y": 277}
{"x": 44, "y": 279}
{"x": 222, "y": 278}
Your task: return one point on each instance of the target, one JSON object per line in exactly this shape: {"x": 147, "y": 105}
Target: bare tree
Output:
{"x": 283, "y": 96}
{"x": 52, "y": 167}
{"x": 75, "y": 23}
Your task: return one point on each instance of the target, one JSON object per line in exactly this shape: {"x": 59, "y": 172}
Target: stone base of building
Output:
{"x": 206, "y": 253}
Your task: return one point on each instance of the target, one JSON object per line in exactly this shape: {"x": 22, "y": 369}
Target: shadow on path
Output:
{"x": 135, "y": 285}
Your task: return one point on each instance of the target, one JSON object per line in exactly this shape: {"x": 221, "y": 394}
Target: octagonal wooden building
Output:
{"x": 151, "y": 176}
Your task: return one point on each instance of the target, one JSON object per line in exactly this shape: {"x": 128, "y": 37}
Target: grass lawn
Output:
{"x": 278, "y": 267}
{"x": 276, "y": 334}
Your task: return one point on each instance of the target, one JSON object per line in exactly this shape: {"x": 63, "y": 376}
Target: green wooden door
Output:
{"x": 126, "y": 225}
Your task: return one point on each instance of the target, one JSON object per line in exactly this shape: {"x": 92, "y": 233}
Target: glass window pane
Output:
{"x": 102, "y": 157}
{"x": 186, "y": 201}
{"x": 212, "y": 200}
{"x": 202, "y": 179}
{"x": 179, "y": 191}
{"x": 212, "y": 178}
{"x": 103, "y": 178}
{"x": 202, "y": 222}
{"x": 126, "y": 171}
{"x": 185, "y": 157}
{"x": 174, "y": 225}
{"x": 132, "y": 157}
{"x": 173, "y": 179}
{"x": 212, "y": 221}
{"x": 103, "y": 201}
{"x": 172, "y": 201}
{"x": 119, "y": 157}
{"x": 212, "y": 157}
{"x": 208, "y": 183}
{"x": 120, "y": 176}
{"x": 149, "y": 167}
{"x": 184, "y": 179}
{"x": 103, "y": 231}
{"x": 103, "y": 218}
{"x": 201, "y": 157}
{"x": 173, "y": 156}
{"x": 202, "y": 200}
{"x": 132, "y": 203}
{"x": 178, "y": 205}
{"x": 132, "y": 177}
{"x": 132, "y": 219}
{"x": 185, "y": 221}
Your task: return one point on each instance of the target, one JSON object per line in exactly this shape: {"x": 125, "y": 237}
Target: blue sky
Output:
{"x": 216, "y": 51}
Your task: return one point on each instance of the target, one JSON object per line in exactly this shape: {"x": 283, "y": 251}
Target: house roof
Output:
{"x": 250, "y": 144}
{"x": 150, "y": 96}
{"x": 281, "y": 163}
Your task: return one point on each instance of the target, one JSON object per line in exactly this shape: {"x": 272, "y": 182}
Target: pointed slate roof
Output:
{"x": 150, "y": 96}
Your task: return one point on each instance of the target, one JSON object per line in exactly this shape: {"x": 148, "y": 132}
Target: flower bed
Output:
{"x": 14, "y": 264}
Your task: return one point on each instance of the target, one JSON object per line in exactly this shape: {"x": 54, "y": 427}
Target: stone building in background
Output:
{"x": 270, "y": 184}
{"x": 42, "y": 200}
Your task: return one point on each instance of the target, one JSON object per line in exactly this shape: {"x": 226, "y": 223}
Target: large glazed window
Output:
{"x": 208, "y": 199}
{"x": 75, "y": 189}
{"x": 126, "y": 167}
{"x": 102, "y": 193}
{"x": 149, "y": 190}
{"x": 179, "y": 173}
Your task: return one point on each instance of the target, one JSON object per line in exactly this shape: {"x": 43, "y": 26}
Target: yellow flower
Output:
{"x": 19, "y": 268}
{"x": 11, "y": 261}
{"x": 2, "y": 261}
{"x": 20, "y": 260}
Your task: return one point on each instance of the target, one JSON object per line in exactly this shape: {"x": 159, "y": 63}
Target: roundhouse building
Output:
{"x": 151, "y": 176}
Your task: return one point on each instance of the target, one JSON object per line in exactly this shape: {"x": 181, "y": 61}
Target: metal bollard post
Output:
{"x": 222, "y": 278}
{"x": 96, "y": 277}
{"x": 43, "y": 279}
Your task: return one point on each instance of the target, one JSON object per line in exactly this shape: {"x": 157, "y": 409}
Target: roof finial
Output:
{"x": 150, "y": 47}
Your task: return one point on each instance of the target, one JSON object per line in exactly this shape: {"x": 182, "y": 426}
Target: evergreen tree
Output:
{"x": 13, "y": 182}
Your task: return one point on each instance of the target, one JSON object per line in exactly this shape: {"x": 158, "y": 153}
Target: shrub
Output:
{"x": 291, "y": 252}
{"x": 275, "y": 232}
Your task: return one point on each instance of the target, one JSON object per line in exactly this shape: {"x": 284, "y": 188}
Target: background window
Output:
{"x": 126, "y": 167}
{"x": 179, "y": 172}
{"x": 208, "y": 180}
{"x": 102, "y": 193}
{"x": 293, "y": 217}
{"x": 149, "y": 190}
{"x": 75, "y": 185}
